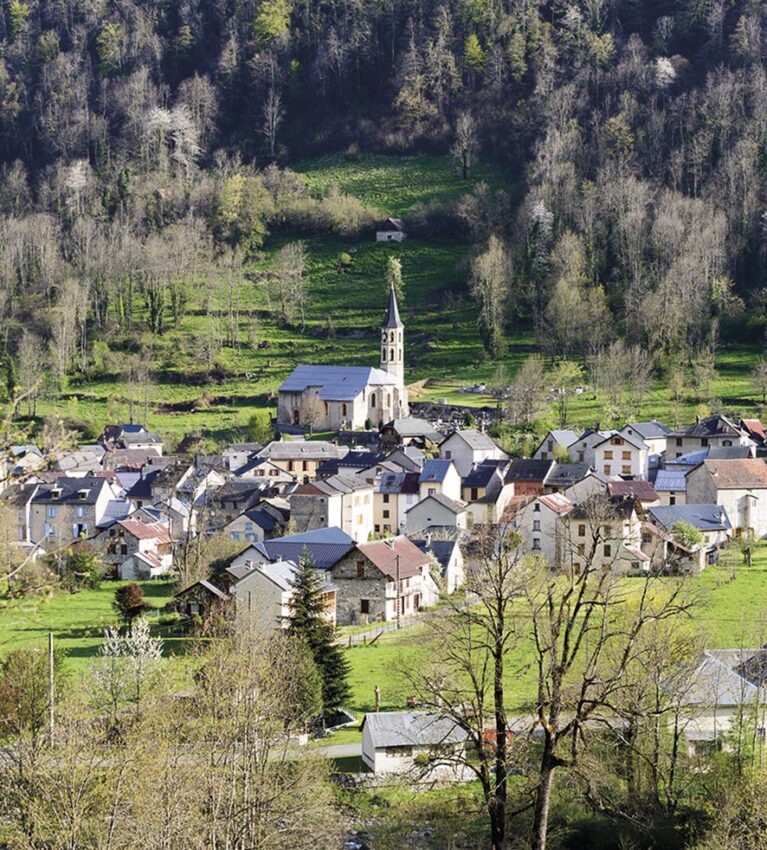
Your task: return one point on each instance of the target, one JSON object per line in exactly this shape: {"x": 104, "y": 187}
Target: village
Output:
{"x": 396, "y": 521}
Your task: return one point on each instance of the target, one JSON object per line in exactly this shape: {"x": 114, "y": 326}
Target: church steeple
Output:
{"x": 392, "y": 345}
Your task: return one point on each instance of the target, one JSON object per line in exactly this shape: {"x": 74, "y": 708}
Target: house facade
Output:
{"x": 467, "y": 448}
{"x": 739, "y": 486}
{"x": 624, "y": 455}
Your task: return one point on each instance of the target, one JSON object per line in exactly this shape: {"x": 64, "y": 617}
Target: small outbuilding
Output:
{"x": 422, "y": 743}
{"x": 391, "y": 230}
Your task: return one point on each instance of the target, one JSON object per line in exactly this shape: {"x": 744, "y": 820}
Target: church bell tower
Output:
{"x": 392, "y": 341}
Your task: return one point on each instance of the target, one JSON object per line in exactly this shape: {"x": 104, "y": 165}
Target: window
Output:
{"x": 536, "y": 525}
{"x": 304, "y": 465}
{"x": 391, "y": 355}
{"x": 377, "y": 528}
{"x": 678, "y": 442}
{"x": 536, "y": 544}
{"x": 448, "y": 455}
{"x": 608, "y": 455}
{"x": 726, "y": 442}
{"x": 581, "y": 549}
{"x": 386, "y": 498}
{"x": 80, "y": 512}
{"x": 386, "y": 514}
{"x": 537, "y": 507}
{"x": 608, "y": 550}
{"x": 581, "y": 530}
{"x": 51, "y": 511}
{"x": 626, "y": 455}
{"x": 360, "y": 569}
{"x": 551, "y": 445}
{"x": 383, "y": 354}
{"x": 343, "y": 410}
{"x": 626, "y": 469}
{"x": 290, "y": 466}
{"x": 616, "y": 441}
{"x": 364, "y": 606}
{"x": 373, "y": 400}
{"x": 391, "y": 336}
{"x": 474, "y": 493}
{"x": 607, "y": 469}
{"x": 432, "y": 491}
{"x": 672, "y": 498}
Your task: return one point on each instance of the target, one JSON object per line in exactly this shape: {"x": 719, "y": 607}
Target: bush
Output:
{"x": 80, "y": 570}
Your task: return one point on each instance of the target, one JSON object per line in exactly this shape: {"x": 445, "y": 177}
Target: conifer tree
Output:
{"x": 307, "y": 621}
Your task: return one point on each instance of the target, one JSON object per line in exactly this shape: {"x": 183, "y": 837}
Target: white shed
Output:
{"x": 418, "y": 742}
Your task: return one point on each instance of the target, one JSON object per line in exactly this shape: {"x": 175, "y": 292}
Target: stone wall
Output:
{"x": 352, "y": 589}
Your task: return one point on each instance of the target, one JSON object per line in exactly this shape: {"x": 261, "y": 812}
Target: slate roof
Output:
{"x": 298, "y": 449}
{"x": 731, "y": 452}
{"x": 136, "y": 439}
{"x": 336, "y": 383}
{"x": 636, "y": 442}
{"x": 690, "y": 459}
{"x": 411, "y": 728}
{"x": 748, "y": 474}
{"x": 435, "y": 469}
{"x": 649, "y": 430}
{"x": 703, "y": 517}
{"x": 355, "y": 459}
{"x": 481, "y": 473}
{"x": 476, "y": 440}
{"x": 712, "y": 426}
{"x": 392, "y": 319}
{"x": 567, "y": 474}
{"x": 70, "y": 489}
{"x": 671, "y": 481}
{"x": 343, "y": 484}
{"x": 391, "y": 224}
{"x": 384, "y": 553}
{"x": 527, "y": 469}
{"x": 261, "y": 518}
{"x": 398, "y": 482}
{"x": 563, "y": 436}
{"x": 643, "y": 490}
{"x": 728, "y": 677}
{"x": 453, "y": 506}
{"x": 441, "y": 550}
{"x": 18, "y": 495}
{"x": 414, "y": 427}
{"x": 326, "y": 545}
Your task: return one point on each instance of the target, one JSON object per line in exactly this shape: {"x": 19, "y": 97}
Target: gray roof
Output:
{"x": 703, "y": 517}
{"x": 81, "y": 490}
{"x": 337, "y": 383}
{"x": 450, "y": 504}
{"x": 477, "y": 440}
{"x": 415, "y": 427}
{"x": 567, "y": 474}
{"x": 296, "y": 449}
{"x": 637, "y": 442}
{"x": 435, "y": 469}
{"x": 392, "y": 319}
{"x": 411, "y": 728}
{"x": 649, "y": 430}
{"x": 441, "y": 550}
{"x": 671, "y": 480}
{"x": 326, "y": 546}
{"x": 728, "y": 677}
{"x": 564, "y": 436}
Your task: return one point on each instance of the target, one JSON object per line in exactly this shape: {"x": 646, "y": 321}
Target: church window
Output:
{"x": 343, "y": 410}
{"x": 383, "y": 355}
{"x": 392, "y": 336}
{"x": 400, "y": 354}
{"x": 326, "y": 408}
{"x": 391, "y": 356}
{"x": 373, "y": 400}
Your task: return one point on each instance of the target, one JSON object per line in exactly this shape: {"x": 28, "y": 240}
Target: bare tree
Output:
{"x": 759, "y": 379}
{"x": 466, "y": 145}
{"x": 272, "y": 115}
{"x": 490, "y": 285}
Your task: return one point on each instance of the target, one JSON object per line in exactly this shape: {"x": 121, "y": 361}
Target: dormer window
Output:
{"x": 82, "y": 494}
{"x": 55, "y": 493}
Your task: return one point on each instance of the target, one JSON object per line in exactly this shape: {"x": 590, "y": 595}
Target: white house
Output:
{"x": 439, "y": 477}
{"x": 540, "y": 526}
{"x": 468, "y": 448}
{"x": 436, "y": 511}
{"x": 329, "y": 398}
{"x": 391, "y": 230}
{"x": 620, "y": 454}
{"x": 726, "y": 684}
{"x": 739, "y": 486}
{"x": 716, "y": 430}
{"x": 653, "y": 434}
{"x": 424, "y": 745}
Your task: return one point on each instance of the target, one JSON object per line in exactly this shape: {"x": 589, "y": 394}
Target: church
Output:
{"x": 332, "y": 398}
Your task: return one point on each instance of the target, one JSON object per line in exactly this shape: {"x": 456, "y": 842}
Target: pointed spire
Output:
{"x": 392, "y": 319}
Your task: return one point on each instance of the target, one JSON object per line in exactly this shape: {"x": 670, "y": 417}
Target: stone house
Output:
{"x": 135, "y": 549}
{"x": 342, "y": 501}
{"x": 366, "y": 581}
{"x": 469, "y": 447}
{"x": 391, "y": 230}
{"x": 301, "y": 458}
{"x": 485, "y": 493}
{"x": 260, "y": 523}
{"x": 17, "y": 501}
{"x": 739, "y": 486}
{"x": 263, "y": 594}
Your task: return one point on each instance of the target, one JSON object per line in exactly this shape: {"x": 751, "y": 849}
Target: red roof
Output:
{"x": 642, "y": 490}
{"x": 146, "y": 530}
{"x": 383, "y": 553}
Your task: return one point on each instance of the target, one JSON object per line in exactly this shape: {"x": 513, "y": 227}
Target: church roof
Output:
{"x": 392, "y": 319}
{"x": 337, "y": 383}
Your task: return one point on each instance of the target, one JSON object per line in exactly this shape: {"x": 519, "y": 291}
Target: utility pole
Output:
{"x": 51, "y": 691}
{"x": 399, "y": 625}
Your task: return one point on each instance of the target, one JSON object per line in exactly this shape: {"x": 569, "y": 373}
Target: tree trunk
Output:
{"x": 543, "y": 801}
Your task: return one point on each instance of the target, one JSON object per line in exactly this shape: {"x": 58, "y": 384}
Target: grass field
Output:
{"x": 442, "y": 343}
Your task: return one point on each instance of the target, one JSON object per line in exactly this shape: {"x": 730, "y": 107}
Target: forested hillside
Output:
{"x": 149, "y": 151}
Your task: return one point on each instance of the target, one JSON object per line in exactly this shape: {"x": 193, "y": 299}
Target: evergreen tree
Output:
{"x": 307, "y": 621}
